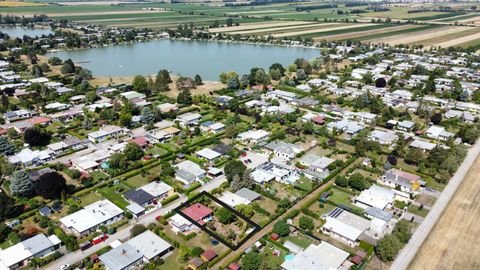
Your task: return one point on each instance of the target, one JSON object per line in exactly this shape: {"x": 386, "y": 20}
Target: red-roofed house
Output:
{"x": 208, "y": 255}
{"x": 3, "y": 131}
{"x": 199, "y": 212}
{"x": 407, "y": 182}
{"x": 39, "y": 120}
{"x": 319, "y": 120}
{"x": 234, "y": 266}
{"x": 141, "y": 141}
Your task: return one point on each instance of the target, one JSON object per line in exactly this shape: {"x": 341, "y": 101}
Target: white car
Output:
{"x": 64, "y": 267}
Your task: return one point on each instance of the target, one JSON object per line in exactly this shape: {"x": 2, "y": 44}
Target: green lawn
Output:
{"x": 272, "y": 260}
{"x": 416, "y": 210}
{"x": 300, "y": 240}
{"x": 90, "y": 198}
{"x": 136, "y": 181}
{"x": 171, "y": 262}
{"x": 340, "y": 197}
{"x": 111, "y": 194}
{"x": 304, "y": 184}
{"x": 156, "y": 151}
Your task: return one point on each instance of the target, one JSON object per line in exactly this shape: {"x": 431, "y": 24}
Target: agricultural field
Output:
{"x": 450, "y": 244}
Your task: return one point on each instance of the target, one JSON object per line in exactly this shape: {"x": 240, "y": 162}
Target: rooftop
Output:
{"x": 197, "y": 211}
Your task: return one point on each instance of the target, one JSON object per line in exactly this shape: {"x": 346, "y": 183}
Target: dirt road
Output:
{"x": 452, "y": 242}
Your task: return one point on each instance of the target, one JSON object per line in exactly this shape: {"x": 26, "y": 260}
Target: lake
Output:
{"x": 20, "y": 31}
{"x": 187, "y": 58}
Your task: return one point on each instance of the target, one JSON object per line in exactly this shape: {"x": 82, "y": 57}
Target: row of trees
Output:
{"x": 49, "y": 185}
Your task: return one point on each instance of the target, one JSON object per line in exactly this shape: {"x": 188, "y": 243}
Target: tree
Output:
{"x": 6, "y": 147}
{"x": 436, "y": 118}
{"x": 246, "y": 210}
{"x": 251, "y": 261}
{"x": 183, "y": 83}
{"x": 284, "y": 203}
{"x": 36, "y": 137}
{"x": 229, "y": 22}
{"x": 184, "y": 97}
{"x": 50, "y": 185}
{"x": 125, "y": 119}
{"x": 233, "y": 83}
{"x": 279, "y": 67}
{"x": 68, "y": 67}
{"x": 90, "y": 96}
{"x": 21, "y": 184}
{"x": 281, "y": 228}
{"x": 238, "y": 182}
{"x": 301, "y": 75}
{"x": 392, "y": 160}
{"x": 4, "y": 231}
{"x": 196, "y": 252}
{"x": 162, "y": 80}
{"x": 148, "y": 116}
{"x": 387, "y": 248}
{"x": 358, "y": 182}
{"x": 224, "y": 215}
{"x": 117, "y": 161}
{"x": 414, "y": 156}
{"x": 198, "y": 80}
{"x": 137, "y": 229}
{"x": 234, "y": 167}
{"x": 8, "y": 208}
{"x": 341, "y": 181}
{"x": 133, "y": 151}
{"x": 306, "y": 223}
{"x": 402, "y": 231}
{"x": 139, "y": 84}
{"x": 380, "y": 82}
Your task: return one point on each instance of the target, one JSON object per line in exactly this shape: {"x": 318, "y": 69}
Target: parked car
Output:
{"x": 99, "y": 239}
{"x": 64, "y": 267}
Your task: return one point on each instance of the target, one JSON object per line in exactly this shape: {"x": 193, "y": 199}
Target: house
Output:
{"x": 63, "y": 90}
{"x": 45, "y": 211}
{"x": 439, "y": 133}
{"x": 280, "y": 94}
{"x": 405, "y": 125}
{"x": 90, "y": 218}
{"x": 208, "y": 255}
{"x": 35, "y": 175}
{"x": 158, "y": 190}
{"x": 161, "y": 135}
{"x": 181, "y": 225}
{"x": 383, "y": 137}
{"x": 19, "y": 255}
{"x": 137, "y": 251}
{"x": 57, "y": 106}
{"x": 248, "y": 194}
{"x": 208, "y": 154}
{"x": 283, "y": 150}
{"x": 405, "y": 181}
{"x": 17, "y": 115}
{"x": 198, "y": 213}
{"x": 214, "y": 127}
{"x": 28, "y": 157}
{"x": 315, "y": 162}
{"x": 68, "y": 144}
{"x": 270, "y": 171}
{"x": 253, "y": 136}
{"x": 135, "y": 209}
{"x": 422, "y": 145}
{"x": 323, "y": 256}
{"x": 167, "y": 107}
{"x": 189, "y": 119}
{"x": 351, "y": 128}
{"x": 345, "y": 226}
{"x": 195, "y": 263}
{"x": 375, "y": 196}
{"x": 138, "y": 196}
{"x": 131, "y": 95}
{"x": 233, "y": 199}
{"x": 304, "y": 88}
{"x": 107, "y": 132}
{"x": 188, "y": 172}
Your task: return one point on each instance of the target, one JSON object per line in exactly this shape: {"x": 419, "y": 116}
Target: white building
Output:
{"x": 323, "y": 256}
{"x": 253, "y": 136}
{"x": 375, "y": 196}
{"x": 188, "y": 172}
{"x": 89, "y": 219}
{"x": 345, "y": 226}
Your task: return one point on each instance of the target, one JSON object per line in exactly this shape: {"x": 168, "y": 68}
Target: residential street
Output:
{"x": 410, "y": 250}
{"x": 124, "y": 234}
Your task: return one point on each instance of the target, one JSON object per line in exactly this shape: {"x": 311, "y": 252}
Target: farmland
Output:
{"x": 336, "y": 22}
{"x": 450, "y": 244}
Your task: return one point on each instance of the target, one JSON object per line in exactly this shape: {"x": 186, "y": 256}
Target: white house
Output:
{"x": 188, "y": 172}
{"x": 375, "y": 196}
{"x": 345, "y": 226}
{"x": 253, "y": 136}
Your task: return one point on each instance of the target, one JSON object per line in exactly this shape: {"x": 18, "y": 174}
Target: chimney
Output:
{"x": 124, "y": 251}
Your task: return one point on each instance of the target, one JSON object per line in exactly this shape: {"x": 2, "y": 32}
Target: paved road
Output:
{"x": 124, "y": 234}
{"x": 410, "y": 250}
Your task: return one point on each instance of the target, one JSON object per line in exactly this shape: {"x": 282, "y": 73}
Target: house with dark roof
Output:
{"x": 407, "y": 182}
{"x": 139, "y": 196}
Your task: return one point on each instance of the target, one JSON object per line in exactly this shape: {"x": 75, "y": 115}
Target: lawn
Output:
{"x": 299, "y": 240}
{"x": 156, "y": 151}
{"x": 304, "y": 184}
{"x": 137, "y": 181}
{"x": 98, "y": 176}
{"x": 341, "y": 197}
{"x": 114, "y": 196}
{"x": 90, "y": 198}
{"x": 171, "y": 262}
{"x": 417, "y": 211}
{"x": 270, "y": 259}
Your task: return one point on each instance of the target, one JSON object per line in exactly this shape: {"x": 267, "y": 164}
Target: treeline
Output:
{"x": 355, "y": 4}
{"x": 314, "y": 7}
{"x": 9, "y": 19}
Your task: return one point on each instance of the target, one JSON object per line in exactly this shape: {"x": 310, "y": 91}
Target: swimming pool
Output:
{"x": 289, "y": 257}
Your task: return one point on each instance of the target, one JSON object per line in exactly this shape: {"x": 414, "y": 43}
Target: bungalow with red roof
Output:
{"x": 140, "y": 141}
{"x": 208, "y": 255}
{"x": 319, "y": 120}
{"x": 234, "y": 266}
{"x": 199, "y": 213}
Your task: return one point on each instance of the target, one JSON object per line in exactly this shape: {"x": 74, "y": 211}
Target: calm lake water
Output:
{"x": 185, "y": 58}
{"x": 20, "y": 31}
